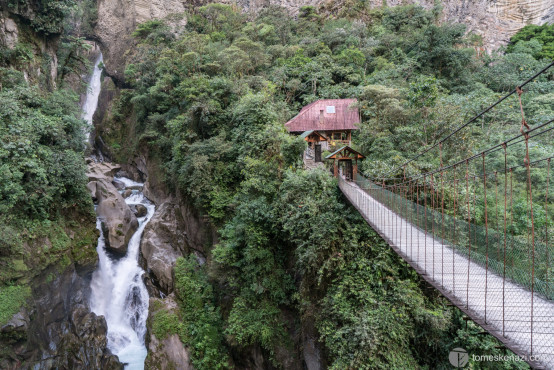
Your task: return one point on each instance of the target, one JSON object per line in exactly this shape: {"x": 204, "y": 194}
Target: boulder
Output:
{"x": 19, "y": 323}
{"x": 119, "y": 185}
{"x": 127, "y": 193}
{"x": 118, "y": 221}
{"x": 91, "y": 186}
{"x": 162, "y": 243}
{"x": 141, "y": 210}
{"x": 102, "y": 171}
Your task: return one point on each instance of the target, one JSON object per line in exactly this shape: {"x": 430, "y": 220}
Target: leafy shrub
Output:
{"x": 202, "y": 325}
{"x": 543, "y": 36}
{"x": 11, "y": 300}
{"x": 47, "y": 16}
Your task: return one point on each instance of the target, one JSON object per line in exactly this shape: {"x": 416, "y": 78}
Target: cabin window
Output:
{"x": 339, "y": 136}
{"x": 330, "y": 109}
{"x": 321, "y": 116}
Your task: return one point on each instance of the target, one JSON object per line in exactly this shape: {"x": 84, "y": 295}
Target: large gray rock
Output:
{"x": 141, "y": 210}
{"x": 162, "y": 243}
{"x": 9, "y": 33}
{"x": 101, "y": 170}
{"x": 118, "y": 221}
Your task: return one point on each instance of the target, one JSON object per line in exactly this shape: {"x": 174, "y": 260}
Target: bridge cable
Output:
{"x": 483, "y": 112}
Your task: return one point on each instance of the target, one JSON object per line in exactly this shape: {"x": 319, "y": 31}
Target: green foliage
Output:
{"x": 71, "y": 59}
{"x": 42, "y": 181}
{"x": 201, "y": 326}
{"x": 82, "y": 18}
{"x": 154, "y": 30}
{"x": 11, "y": 300}
{"x": 371, "y": 308}
{"x": 41, "y": 161}
{"x": 165, "y": 324}
{"x": 210, "y": 104}
{"x": 468, "y": 336}
{"x": 538, "y": 40}
{"x": 48, "y": 17}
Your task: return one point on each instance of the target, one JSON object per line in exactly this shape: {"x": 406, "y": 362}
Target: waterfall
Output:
{"x": 119, "y": 294}
{"x": 91, "y": 100}
{"x": 117, "y": 290}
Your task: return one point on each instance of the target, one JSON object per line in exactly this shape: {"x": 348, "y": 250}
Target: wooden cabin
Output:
{"x": 333, "y": 119}
{"x": 346, "y": 160}
{"x": 314, "y": 140}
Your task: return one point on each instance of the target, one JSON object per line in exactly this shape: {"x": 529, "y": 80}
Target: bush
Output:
{"x": 11, "y": 300}
{"x": 202, "y": 324}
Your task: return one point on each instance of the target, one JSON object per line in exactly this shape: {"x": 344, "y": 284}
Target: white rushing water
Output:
{"x": 117, "y": 290}
{"x": 93, "y": 91}
{"x": 119, "y": 294}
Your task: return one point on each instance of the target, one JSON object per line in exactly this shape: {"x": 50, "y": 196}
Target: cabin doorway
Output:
{"x": 348, "y": 170}
{"x": 317, "y": 149}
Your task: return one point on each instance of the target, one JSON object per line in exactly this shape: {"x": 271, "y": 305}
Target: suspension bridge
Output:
{"x": 455, "y": 226}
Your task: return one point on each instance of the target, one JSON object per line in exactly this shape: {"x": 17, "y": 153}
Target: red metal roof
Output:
{"x": 311, "y": 117}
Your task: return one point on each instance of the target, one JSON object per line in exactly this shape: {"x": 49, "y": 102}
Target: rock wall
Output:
{"x": 496, "y": 20}
{"x": 117, "y": 19}
{"x": 56, "y": 329}
{"x": 44, "y": 65}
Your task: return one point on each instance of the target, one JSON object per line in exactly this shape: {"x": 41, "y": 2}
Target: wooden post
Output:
{"x": 355, "y": 170}
{"x": 336, "y": 168}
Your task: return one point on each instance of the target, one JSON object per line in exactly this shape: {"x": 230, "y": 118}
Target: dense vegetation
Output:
{"x": 209, "y": 104}
{"x": 539, "y": 39}
{"x": 43, "y": 198}
{"x": 47, "y": 17}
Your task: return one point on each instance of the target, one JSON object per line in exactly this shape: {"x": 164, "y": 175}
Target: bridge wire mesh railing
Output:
{"x": 508, "y": 310}
{"x": 472, "y": 240}
{"x": 478, "y": 228}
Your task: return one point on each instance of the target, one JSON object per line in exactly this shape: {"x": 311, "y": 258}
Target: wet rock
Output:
{"x": 18, "y": 323}
{"x": 127, "y": 193}
{"x": 102, "y": 171}
{"x": 162, "y": 243}
{"x": 141, "y": 210}
{"x": 119, "y": 185}
{"x": 118, "y": 221}
{"x": 57, "y": 329}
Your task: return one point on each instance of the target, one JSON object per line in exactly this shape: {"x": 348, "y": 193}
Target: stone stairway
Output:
{"x": 310, "y": 163}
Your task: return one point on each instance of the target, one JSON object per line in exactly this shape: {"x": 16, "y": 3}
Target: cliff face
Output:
{"x": 56, "y": 328}
{"x": 117, "y": 19}
{"x": 14, "y": 31}
{"x": 495, "y": 20}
